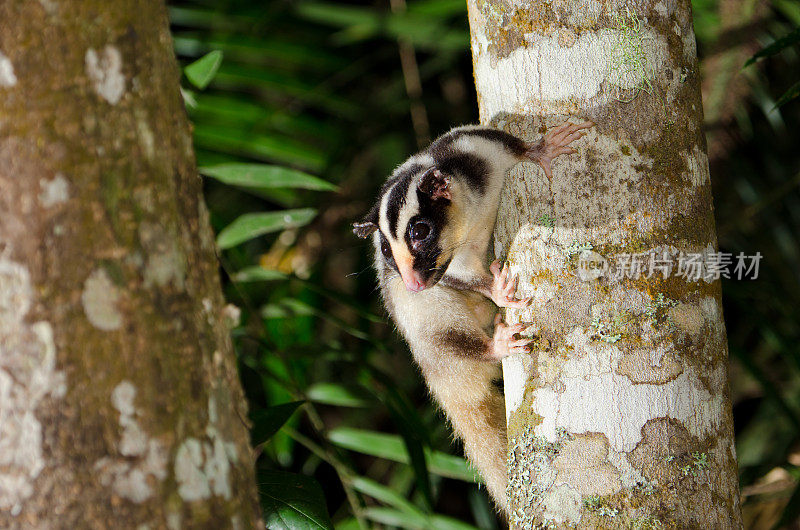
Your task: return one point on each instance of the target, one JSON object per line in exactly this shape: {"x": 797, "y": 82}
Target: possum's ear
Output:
{"x": 368, "y": 225}
{"x": 364, "y": 229}
{"x": 435, "y": 184}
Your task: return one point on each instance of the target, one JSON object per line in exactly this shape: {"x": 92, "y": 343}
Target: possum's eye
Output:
{"x": 420, "y": 230}
{"x": 385, "y": 249}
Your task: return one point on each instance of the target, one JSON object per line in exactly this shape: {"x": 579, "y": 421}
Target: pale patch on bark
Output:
{"x": 558, "y": 74}
{"x": 144, "y": 460}
{"x": 7, "y": 77}
{"x": 583, "y": 406}
{"x": 697, "y": 164}
{"x": 515, "y": 374}
{"x": 54, "y": 191}
{"x": 583, "y": 465}
{"x": 654, "y": 365}
{"x": 105, "y": 71}
{"x": 688, "y": 317}
{"x": 232, "y": 315}
{"x": 562, "y": 504}
{"x": 629, "y": 476}
{"x": 146, "y": 137}
{"x": 165, "y": 262}
{"x": 174, "y": 521}
{"x": 50, "y": 6}
{"x": 99, "y": 298}
{"x": 28, "y": 376}
{"x": 202, "y": 467}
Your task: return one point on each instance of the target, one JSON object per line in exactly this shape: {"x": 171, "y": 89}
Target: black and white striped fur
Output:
{"x": 431, "y": 229}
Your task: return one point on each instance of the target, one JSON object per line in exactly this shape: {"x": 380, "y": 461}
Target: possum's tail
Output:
{"x": 474, "y": 404}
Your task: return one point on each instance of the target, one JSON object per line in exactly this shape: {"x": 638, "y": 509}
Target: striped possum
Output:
{"x": 431, "y": 229}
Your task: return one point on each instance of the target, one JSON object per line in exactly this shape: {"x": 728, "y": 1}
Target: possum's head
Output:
{"x": 411, "y": 220}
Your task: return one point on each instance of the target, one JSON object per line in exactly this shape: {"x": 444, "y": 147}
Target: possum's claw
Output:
{"x": 506, "y": 340}
{"x": 555, "y": 143}
{"x": 504, "y": 287}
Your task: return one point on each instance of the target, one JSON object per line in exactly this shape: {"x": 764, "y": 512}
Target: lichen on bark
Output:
{"x": 626, "y": 366}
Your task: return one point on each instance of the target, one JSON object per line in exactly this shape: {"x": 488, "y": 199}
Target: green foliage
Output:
{"x": 291, "y": 501}
{"x": 779, "y": 45}
{"x": 258, "y": 176}
{"x": 391, "y": 447}
{"x": 251, "y": 225}
{"x": 266, "y": 422}
{"x": 791, "y": 39}
{"x": 202, "y": 71}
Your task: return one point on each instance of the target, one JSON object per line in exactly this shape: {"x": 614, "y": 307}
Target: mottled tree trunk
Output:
{"x": 620, "y": 417}
{"x": 120, "y": 405}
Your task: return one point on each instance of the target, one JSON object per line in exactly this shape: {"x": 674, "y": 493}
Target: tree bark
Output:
{"x": 120, "y": 404}
{"x": 620, "y": 417}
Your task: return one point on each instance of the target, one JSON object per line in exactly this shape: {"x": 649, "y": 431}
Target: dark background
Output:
{"x": 321, "y": 88}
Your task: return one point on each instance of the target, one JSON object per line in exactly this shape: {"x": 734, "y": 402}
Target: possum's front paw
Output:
{"x": 504, "y": 342}
{"x": 504, "y": 288}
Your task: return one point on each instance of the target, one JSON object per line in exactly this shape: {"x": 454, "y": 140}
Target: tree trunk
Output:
{"x": 620, "y": 417}
{"x": 120, "y": 404}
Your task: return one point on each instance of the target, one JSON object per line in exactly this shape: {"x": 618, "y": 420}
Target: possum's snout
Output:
{"x": 413, "y": 281}
{"x": 414, "y": 285}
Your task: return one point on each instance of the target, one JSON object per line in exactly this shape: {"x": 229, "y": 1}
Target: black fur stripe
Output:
{"x": 397, "y": 197}
{"x": 472, "y": 167}
{"x": 509, "y": 141}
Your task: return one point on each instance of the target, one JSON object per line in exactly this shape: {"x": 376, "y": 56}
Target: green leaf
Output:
{"x": 790, "y": 39}
{"x": 385, "y": 495}
{"x": 338, "y": 15}
{"x": 258, "y": 274}
{"x": 282, "y": 148}
{"x": 288, "y": 308}
{"x": 202, "y": 71}
{"x": 793, "y": 92}
{"x": 340, "y": 395}
{"x": 360, "y": 23}
{"x": 292, "y": 502}
{"x": 415, "y": 435}
{"x": 265, "y": 176}
{"x": 266, "y": 422}
{"x": 252, "y": 225}
{"x": 442, "y": 522}
{"x": 417, "y": 456}
{"x": 392, "y": 517}
{"x": 351, "y": 523}
{"x": 391, "y": 447}
{"x": 482, "y": 510}
{"x": 292, "y": 307}
{"x": 439, "y": 8}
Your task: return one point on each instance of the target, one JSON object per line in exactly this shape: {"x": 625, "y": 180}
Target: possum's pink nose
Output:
{"x": 413, "y": 283}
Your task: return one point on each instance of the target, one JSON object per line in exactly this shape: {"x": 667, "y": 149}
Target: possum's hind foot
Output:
{"x": 506, "y": 340}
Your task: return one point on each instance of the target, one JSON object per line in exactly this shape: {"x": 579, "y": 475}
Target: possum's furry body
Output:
{"x": 431, "y": 229}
